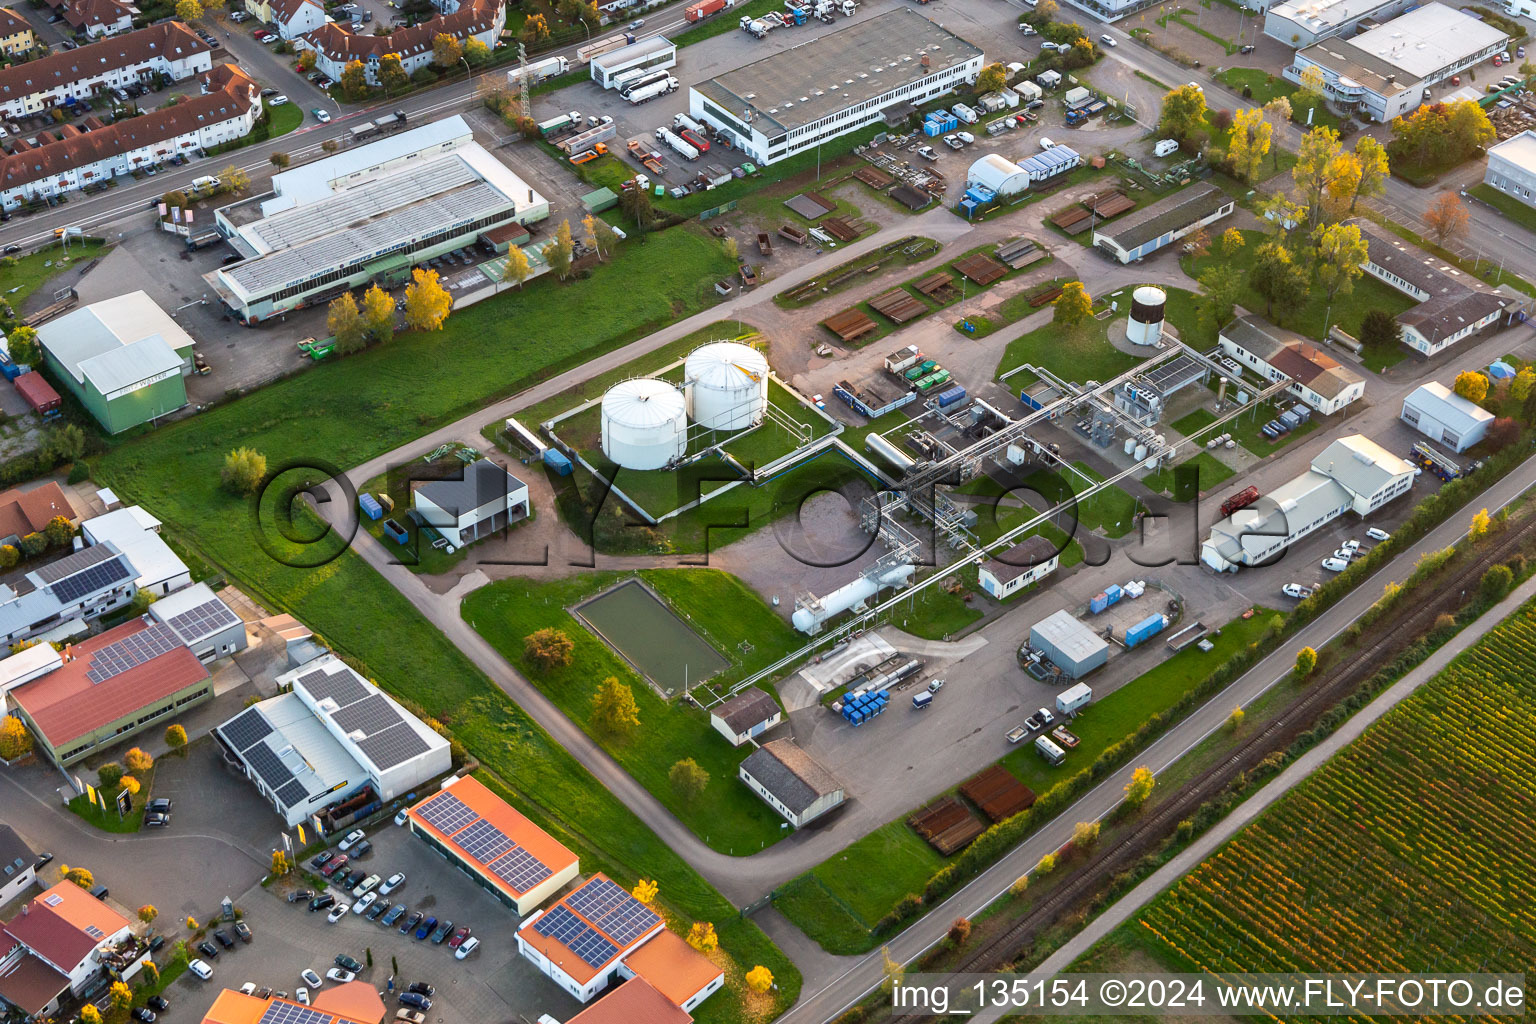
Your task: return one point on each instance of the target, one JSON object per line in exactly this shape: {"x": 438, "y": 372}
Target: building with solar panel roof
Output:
{"x": 485, "y": 837}
{"x": 83, "y": 584}
{"x": 327, "y": 738}
{"x": 579, "y": 942}
{"x": 208, "y": 626}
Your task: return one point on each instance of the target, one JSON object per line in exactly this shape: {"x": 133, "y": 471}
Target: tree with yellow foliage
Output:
{"x": 89, "y": 1014}
{"x": 1047, "y": 864}
{"x": 280, "y": 865}
{"x": 426, "y": 301}
{"x": 138, "y": 760}
{"x": 80, "y": 876}
{"x": 702, "y": 937}
{"x": 15, "y": 740}
{"x": 148, "y": 913}
{"x": 1249, "y": 143}
{"x": 1140, "y": 787}
{"x": 130, "y": 785}
{"x": 645, "y": 891}
{"x": 759, "y": 979}
{"x": 517, "y": 268}
{"x": 1472, "y": 386}
{"x": 1481, "y": 524}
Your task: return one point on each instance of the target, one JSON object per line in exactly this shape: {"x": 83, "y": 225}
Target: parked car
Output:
{"x": 362, "y": 849}
{"x": 1377, "y": 535}
{"x": 1335, "y": 564}
{"x": 310, "y": 978}
{"x": 158, "y": 1003}
{"x": 142, "y": 1013}
{"x": 413, "y": 1016}
{"x": 336, "y": 864}
{"x": 159, "y": 805}
{"x": 395, "y": 913}
{"x": 459, "y": 937}
{"x": 338, "y": 912}
{"x": 421, "y": 988}
{"x": 321, "y": 902}
{"x": 352, "y": 839}
{"x": 403, "y": 816}
{"x": 327, "y": 854}
{"x": 965, "y": 137}
{"x": 953, "y": 143}
{"x": 338, "y": 975}
{"x": 415, "y": 1000}
{"x": 1046, "y": 718}
{"x": 443, "y": 931}
{"x": 426, "y": 928}
{"x": 346, "y": 963}
{"x": 156, "y": 820}
{"x": 411, "y": 922}
{"x": 378, "y": 910}
{"x": 1047, "y": 144}
{"x": 201, "y": 969}
{"x": 243, "y": 930}
{"x": 927, "y": 153}
{"x": 1295, "y": 590}
{"x": 300, "y": 896}
{"x": 351, "y": 878}
{"x": 468, "y": 946}
{"x": 392, "y": 883}
{"x": 301, "y": 995}
{"x": 224, "y": 939}
{"x": 1246, "y": 50}
{"x": 157, "y": 943}
{"x": 208, "y": 949}
{"x": 1351, "y": 545}
{"x": 362, "y": 905}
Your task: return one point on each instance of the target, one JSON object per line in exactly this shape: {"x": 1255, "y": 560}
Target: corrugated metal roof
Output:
{"x": 1441, "y": 403}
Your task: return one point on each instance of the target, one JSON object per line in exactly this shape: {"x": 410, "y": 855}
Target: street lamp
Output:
{"x": 584, "y": 25}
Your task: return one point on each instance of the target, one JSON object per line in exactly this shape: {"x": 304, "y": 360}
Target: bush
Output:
{"x": 79, "y": 473}
{"x": 1496, "y": 582}
{"x": 34, "y": 544}
{"x": 548, "y": 649}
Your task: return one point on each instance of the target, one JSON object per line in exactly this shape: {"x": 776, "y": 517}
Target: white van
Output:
{"x": 207, "y": 182}
{"x": 200, "y": 969}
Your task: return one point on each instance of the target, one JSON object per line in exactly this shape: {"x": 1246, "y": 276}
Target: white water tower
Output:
{"x": 645, "y": 423}
{"x": 727, "y": 385}
{"x": 1149, "y": 308}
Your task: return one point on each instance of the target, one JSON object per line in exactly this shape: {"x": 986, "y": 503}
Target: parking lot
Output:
{"x": 493, "y": 984}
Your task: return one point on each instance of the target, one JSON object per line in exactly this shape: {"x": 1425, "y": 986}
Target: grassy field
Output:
{"x": 1346, "y": 310}
{"x": 839, "y": 901}
{"x": 23, "y": 275}
{"x": 866, "y": 263}
{"x": 1247, "y": 430}
{"x": 1078, "y": 354}
{"x": 1211, "y": 471}
{"x": 1264, "y": 87}
{"x": 1508, "y": 205}
{"x": 343, "y": 413}
{"x": 717, "y": 606}
{"x": 1410, "y": 848}
{"x": 1110, "y": 510}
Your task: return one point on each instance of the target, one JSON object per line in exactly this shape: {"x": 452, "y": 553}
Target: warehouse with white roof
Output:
{"x": 1442, "y": 415}
{"x": 1069, "y": 643}
{"x": 368, "y": 214}
{"x": 137, "y": 535}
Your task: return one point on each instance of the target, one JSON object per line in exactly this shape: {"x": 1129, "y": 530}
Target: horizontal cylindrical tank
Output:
{"x": 850, "y": 595}
{"x": 727, "y": 385}
{"x": 644, "y": 423}
{"x": 890, "y": 453}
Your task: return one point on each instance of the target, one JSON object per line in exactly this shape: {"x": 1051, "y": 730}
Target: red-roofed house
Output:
{"x": 291, "y": 18}
{"x": 110, "y": 686}
{"x": 674, "y": 968}
{"x": 634, "y": 1002}
{"x": 100, "y": 17}
{"x": 24, "y": 512}
{"x": 580, "y": 940}
{"x": 63, "y": 938}
{"x": 334, "y": 46}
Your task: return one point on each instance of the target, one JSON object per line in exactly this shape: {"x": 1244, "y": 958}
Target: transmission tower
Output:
{"x": 525, "y": 94}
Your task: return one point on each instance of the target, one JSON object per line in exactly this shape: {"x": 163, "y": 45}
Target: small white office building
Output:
{"x": 1512, "y": 167}
{"x": 1442, "y": 415}
{"x": 137, "y": 534}
{"x": 1029, "y": 561}
{"x": 653, "y": 53}
{"x": 746, "y": 716}
{"x": 485, "y": 499}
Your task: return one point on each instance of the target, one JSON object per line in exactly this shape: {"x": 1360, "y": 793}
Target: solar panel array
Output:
{"x": 265, "y": 763}
{"x": 75, "y": 561}
{"x": 89, "y": 581}
{"x": 613, "y": 910}
{"x": 371, "y": 714}
{"x": 484, "y": 842}
{"x": 392, "y": 746}
{"x": 340, "y": 687}
{"x": 446, "y": 813}
{"x": 520, "y": 869}
{"x": 245, "y": 729}
{"x": 291, "y": 793}
{"x": 203, "y": 621}
{"x": 576, "y": 935}
{"x": 279, "y": 1012}
{"x": 387, "y": 738}
{"x": 132, "y": 651}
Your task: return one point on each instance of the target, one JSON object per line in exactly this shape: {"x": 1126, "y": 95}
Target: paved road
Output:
{"x": 833, "y": 998}
{"x": 1289, "y": 779}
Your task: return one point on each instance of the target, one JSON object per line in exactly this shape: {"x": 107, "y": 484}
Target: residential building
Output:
{"x": 653, "y": 53}
{"x": 330, "y": 736}
{"x": 18, "y": 865}
{"x": 1512, "y": 167}
{"x": 226, "y": 112}
{"x": 16, "y": 36}
{"x": 1385, "y": 72}
{"x": 352, "y": 1002}
{"x": 369, "y": 213}
{"x": 123, "y": 358}
{"x": 170, "y": 49}
{"x": 82, "y": 584}
{"x": 675, "y": 969}
{"x": 485, "y": 837}
{"x": 1029, "y": 561}
{"x": 578, "y": 942}
{"x": 97, "y": 18}
{"x": 796, "y": 99}
{"x": 335, "y": 46}
{"x": 484, "y": 499}
{"x": 290, "y": 18}
{"x": 1301, "y": 23}
{"x": 30, "y": 511}
{"x": 1353, "y": 474}
{"x": 1442, "y": 415}
{"x": 118, "y": 683}
{"x": 1451, "y": 306}
{"x": 63, "y": 941}
{"x": 1140, "y": 234}
{"x": 791, "y": 781}
{"x": 1318, "y": 379}
{"x": 136, "y": 534}
{"x": 208, "y": 627}
{"x": 746, "y": 716}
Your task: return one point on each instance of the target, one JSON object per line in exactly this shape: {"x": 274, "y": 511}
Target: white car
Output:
{"x": 340, "y": 976}
{"x": 392, "y": 883}
{"x": 302, "y": 995}
{"x": 1108, "y": 40}
{"x": 965, "y": 137}
{"x": 338, "y": 912}
{"x": 323, "y": 116}
{"x": 402, "y": 817}
{"x": 1335, "y": 564}
{"x": 248, "y": 989}
{"x": 1046, "y": 718}
{"x": 1377, "y": 535}
{"x": 469, "y": 946}
{"x": 1352, "y": 546}
{"x": 1047, "y": 144}
{"x": 364, "y": 903}
{"x": 200, "y": 969}
{"x": 366, "y": 886}
{"x": 310, "y": 978}
{"x": 1296, "y": 590}
{"x": 276, "y": 101}
{"x": 352, "y": 839}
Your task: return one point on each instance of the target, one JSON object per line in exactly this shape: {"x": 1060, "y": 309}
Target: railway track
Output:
{"x": 1301, "y": 715}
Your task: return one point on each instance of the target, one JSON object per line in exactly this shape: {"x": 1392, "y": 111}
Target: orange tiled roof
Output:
{"x": 676, "y": 969}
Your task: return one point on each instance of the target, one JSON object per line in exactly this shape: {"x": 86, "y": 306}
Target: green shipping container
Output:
{"x": 915, "y": 372}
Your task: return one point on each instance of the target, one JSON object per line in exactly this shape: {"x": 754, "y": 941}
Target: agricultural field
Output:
{"x": 1409, "y": 851}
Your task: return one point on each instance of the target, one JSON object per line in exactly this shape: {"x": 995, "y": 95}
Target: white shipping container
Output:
{"x": 1050, "y": 751}
{"x": 1072, "y": 698}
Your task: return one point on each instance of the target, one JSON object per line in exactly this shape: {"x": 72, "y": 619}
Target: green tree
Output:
{"x": 1222, "y": 284}
{"x": 637, "y": 203}
{"x": 614, "y": 709}
{"x": 891, "y": 969}
{"x": 475, "y": 51}
{"x": 688, "y": 779}
{"x": 1277, "y": 278}
{"x": 548, "y": 649}
{"x": 535, "y": 29}
{"x": 58, "y": 531}
{"x": 148, "y": 913}
{"x": 1375, "y": 168}
{"x": 1520, "y": 388}
{"x": 1341, "y": 255}
{"x": 1183, "y": 113}
{"x": 9, "y": 556}
{"x": 1496, "y": 582}
{"x": 1073, "y": 305}
{"x": 378, "y": 314}
{"x": 22, "y": 342}
{"x": 110, "y": 774}
{"x": 1471, "y": 385}
{"x": 244, "y": 470}
{"x": 731, "y": 250}
{"x": 446, "y": 50}
{"x": 1315, "y": 168}
{"x": 1306, "y": 663}
{"x": 517, "y": 268}
{"x": 34, "y": 544}
{"x": 345, "y": 323}
{"x": 392, "y": 75}
{"x": 1380, "y": 331}
{"x": 993, "y": 77}
{"x": 65, "y": 443}
{"x": 354, "y": 79}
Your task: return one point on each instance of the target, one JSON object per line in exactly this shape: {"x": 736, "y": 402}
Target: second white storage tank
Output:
{"x": 727, "y": 385}
{"x": 645, "y": 423}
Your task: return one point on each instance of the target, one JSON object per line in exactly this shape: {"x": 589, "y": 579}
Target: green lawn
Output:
{"x": 1346, "y": 310}
{"x": 1265, "y": 86}
{"x": 1077, "y": 354}
{"x": 840, "y": 900}
{"x": 23, "y": 275}
{"x": 284, "y": 119}
{"x": 1508, "y": 205}
{"x": 718, "y": 607}
{"x": 1211, "y": 471}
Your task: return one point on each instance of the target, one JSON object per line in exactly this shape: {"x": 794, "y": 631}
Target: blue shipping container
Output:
{"x": 951, "y": 396}
{"x": 370, "y": 506}
{"x": 556, "y": 460}
{"x": 1098, "y": 603}
{"x": 395, "y": 532}
{"x": 1114, "y": 593}
{"x": 1145, "y": 630}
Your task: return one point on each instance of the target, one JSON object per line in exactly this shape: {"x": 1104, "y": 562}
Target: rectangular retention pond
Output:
{"x": 651, "y": 637}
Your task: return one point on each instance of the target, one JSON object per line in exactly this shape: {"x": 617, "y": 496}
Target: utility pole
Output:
{"x": 525, "y": 96}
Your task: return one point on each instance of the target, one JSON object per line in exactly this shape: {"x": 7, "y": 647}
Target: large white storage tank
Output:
{"x": 1149, "y": 307}
{"x": 727, "y": 385}
{"x": 645, "y": 423}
